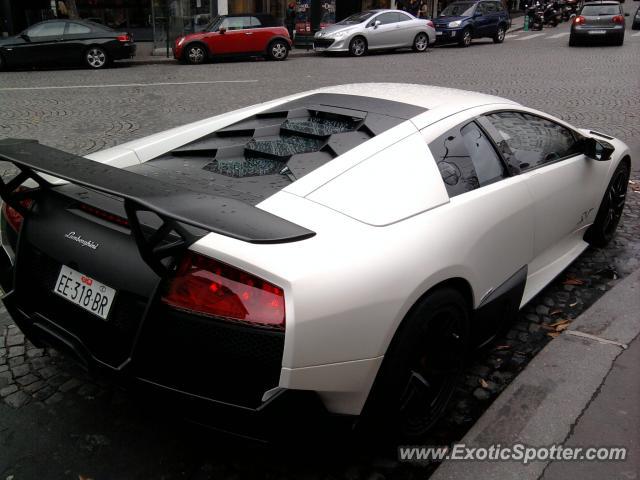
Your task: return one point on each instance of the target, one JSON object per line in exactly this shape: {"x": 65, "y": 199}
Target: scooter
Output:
{"x": 551, "y": 15}
{"x": 535, "y": 13}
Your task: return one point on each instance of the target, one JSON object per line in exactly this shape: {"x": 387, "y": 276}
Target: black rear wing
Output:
{"x": 174, "y": 205}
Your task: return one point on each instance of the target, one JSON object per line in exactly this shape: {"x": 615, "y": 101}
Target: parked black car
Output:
{"x": 60, "y": 42}
{"x": 636, "y": 20}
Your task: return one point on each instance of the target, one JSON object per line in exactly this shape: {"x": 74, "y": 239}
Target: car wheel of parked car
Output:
{"x": 604, "y": 227}
{"x": 96, "y": 57}
{"x": 421, "y": 42}
{"x": 358, "y": 47}
{"x": 195, "y": 54}
{"x": 278, "y": 50}
{"x": 465, "y": 38}
{"x": 421, "y": 367}
{"x": 499, "y": 36}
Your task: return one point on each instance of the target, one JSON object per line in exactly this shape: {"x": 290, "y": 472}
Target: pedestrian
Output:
{"x": 422, "y": 9}
{"x": 290, "y": 18}
{"x": 413, "y": 7}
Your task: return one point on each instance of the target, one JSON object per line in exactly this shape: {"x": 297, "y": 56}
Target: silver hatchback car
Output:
{"x": 376, "y": 30}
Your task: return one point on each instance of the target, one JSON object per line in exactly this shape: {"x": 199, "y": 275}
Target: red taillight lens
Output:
{"x": 618, "y": 19}
{"x": 13, "y": 217}
{"x": 579, "y": 20}
{"x": 209, "y": 287}
{"x": 124, "y": 38}
{"x": 109, "y": 217}
{"x": 430, "y": 23}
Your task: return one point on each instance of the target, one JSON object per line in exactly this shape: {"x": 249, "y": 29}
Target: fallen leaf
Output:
{"x": 503, "y": 347}
{"x": 546, "y": 326}
{"x": 558, "y": 323}
{"x": 553, "y": 334}
{"x": 555, "y": 311}
{"x": 562, "y": 327}
{"x": 573, "y": 281}
{"x": 573, "y": 304}
{"x": 484, "y": 383}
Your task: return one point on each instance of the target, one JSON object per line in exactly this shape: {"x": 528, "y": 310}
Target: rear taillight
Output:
{"x": 124, "y": 38}
{"x": 579, "y": 20}
{"x": 430, "y": 24}
{"x": 209, "y": 287}
{"x": 618, "y": 19}
{"x": 109, "y": 217}
{"x": 12, "y": 216}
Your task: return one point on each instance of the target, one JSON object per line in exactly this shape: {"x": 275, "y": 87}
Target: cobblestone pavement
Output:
{"x": 56, "y": 422}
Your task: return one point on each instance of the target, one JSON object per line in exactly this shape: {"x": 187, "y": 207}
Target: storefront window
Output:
{"x": 173, "y": 18}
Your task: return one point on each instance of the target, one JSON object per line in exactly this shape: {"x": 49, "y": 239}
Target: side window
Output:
{"x": 235, "y": 23}
{"x": 403, "y": 17}
{"x": 48, "y": 29}
{"x": 387, "y": 18}
{"x": 77, "y": 29}
{"x": 527, "y": 141}
{"x": 489, "y": 7}
{"x": 466, "y": 159}
{"x": 498, "y": 6}
{"x": 480, "y": 9}
{"x": 254, "y": 23}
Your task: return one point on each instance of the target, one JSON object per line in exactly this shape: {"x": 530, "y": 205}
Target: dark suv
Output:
{"x": 462, "y": 21}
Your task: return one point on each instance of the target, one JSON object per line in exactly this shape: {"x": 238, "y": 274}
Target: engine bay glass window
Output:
{"x": 528, "y": 141}
{"x": 466, "y": 159}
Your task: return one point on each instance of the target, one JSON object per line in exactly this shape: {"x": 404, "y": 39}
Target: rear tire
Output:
{"x": 96, "y": 57}
{"x": 357, "y": 47}
{"x": 195, "y": 54}
{"x": 278, "y": 50}
{"x": 610, "y": 211}
{"x": 420, "y": 369}
{"x": 499, "y": 36}
{"x": 465, "y": 38}
{"x": 421, "y": 42}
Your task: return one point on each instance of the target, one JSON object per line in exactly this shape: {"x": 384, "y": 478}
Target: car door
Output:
{"x": 42, "y": 43}
{"x": 480, "y": 20}
{"x": 74, "y": 41}
{"x": 386, "y": 34}
{"x": 564, "y": 183}
{"x": 490, "y": 205}
{"x": 229, "y": 38}
{"x": 492, "y": 17}
{"x": 256, "y": 37}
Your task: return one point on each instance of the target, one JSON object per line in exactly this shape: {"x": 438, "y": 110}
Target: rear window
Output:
{"x": 600, "y": 10}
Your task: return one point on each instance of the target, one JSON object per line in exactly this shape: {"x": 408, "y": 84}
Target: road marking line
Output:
{"x": 558, "y": 35}
{"x": 636, "y": 34}
{"x": 529, "y": 37}
{"x": 511, "y": 35}
{"x": 116, "y": 85}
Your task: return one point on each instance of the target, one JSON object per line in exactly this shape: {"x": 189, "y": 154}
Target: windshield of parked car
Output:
{"x": 598, "y": 10}
{"x": 356, "y": 18}
{"x": 458, "y": 10}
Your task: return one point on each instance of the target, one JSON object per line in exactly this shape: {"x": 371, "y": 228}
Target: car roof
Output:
{"x": 601, "y": 3}
{"x": 425, "y": 96}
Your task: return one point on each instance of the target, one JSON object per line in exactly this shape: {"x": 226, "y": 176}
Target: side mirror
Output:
{"x": 598, "y": 149}
{"x": 25, "y": 37}
{"x": 377, "y": 23}
{"x": 222, "y": 30}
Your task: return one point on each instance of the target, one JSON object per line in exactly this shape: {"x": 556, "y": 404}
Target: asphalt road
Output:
{"x": 82, "y": 111}
{"x": 85, "y": 428}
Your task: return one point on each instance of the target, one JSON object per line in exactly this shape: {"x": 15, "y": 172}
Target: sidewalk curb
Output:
{"x": 541, "y": 406}
{"x": 160, "y": 60}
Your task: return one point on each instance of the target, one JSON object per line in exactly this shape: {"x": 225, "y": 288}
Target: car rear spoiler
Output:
{"x": 175, "y": 206}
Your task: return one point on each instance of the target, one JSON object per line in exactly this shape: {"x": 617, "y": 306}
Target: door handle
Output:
{"x": 248, "y": 33}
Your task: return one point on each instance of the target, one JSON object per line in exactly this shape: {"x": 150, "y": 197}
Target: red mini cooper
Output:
{"x": 235, "y": 35}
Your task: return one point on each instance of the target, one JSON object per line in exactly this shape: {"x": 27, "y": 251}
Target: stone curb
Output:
{"x": 542, "y": 404}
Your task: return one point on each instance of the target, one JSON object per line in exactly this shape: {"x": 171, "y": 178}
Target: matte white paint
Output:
{"x": 386, "y": 232}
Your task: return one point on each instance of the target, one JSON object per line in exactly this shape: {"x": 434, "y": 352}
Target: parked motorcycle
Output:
{"x": 535, "y": 14}
{"x": 552, "y": 15}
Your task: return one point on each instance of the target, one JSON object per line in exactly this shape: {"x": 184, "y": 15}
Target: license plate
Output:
{"x": 597, "y": 32}
{"x": 84, "y": 291}
{"x": 438, "y": 33}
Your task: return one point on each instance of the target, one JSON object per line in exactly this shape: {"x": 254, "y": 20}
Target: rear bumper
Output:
{"x": 284, "y": 413}
{"x": 595, "y": 32}
{"x": 124, "y": 51}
